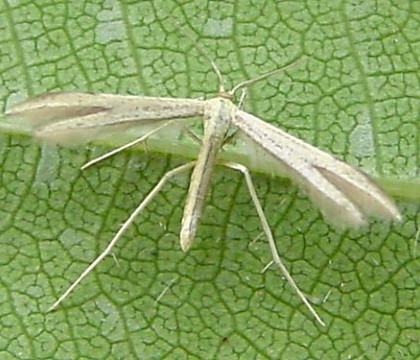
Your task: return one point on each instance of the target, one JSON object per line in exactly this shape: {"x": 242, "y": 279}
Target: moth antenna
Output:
{"x": 200, "y": 49}
{"x": 266, "y": 75}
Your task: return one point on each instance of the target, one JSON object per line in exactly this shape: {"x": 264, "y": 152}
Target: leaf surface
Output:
{"x": 356, "y": 96}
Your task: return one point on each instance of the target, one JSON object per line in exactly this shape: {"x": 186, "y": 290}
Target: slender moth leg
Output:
{"x": 124, "y": 227}
{"x": 269, "y": 234}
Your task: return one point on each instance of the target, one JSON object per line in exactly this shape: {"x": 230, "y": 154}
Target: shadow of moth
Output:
{"x": 343, "y": 194}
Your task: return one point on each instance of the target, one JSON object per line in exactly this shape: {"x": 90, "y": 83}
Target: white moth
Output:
{"x": 344, "y": 194}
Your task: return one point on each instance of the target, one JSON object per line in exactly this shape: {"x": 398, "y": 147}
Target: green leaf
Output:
{"x": 356, "y": 96}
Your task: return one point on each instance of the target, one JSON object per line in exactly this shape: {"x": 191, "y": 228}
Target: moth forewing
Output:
{"x": 361, "y": 190}
{"x": 46, "y": 108}
{"x": 69, "y": 117}
{"x": 343, "y": 193}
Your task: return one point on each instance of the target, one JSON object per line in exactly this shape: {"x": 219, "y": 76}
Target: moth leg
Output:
{"x": 268, "y": 233}
{"x": 193, "y": 136}
{"x": 165, "y": 290}
{"x": 125, "y": 146}
{"x": 123, "y": 228}
{"x": 230, "y": 137}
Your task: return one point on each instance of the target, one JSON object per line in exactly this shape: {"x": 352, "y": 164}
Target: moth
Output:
{"x": 344, "y": 194}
